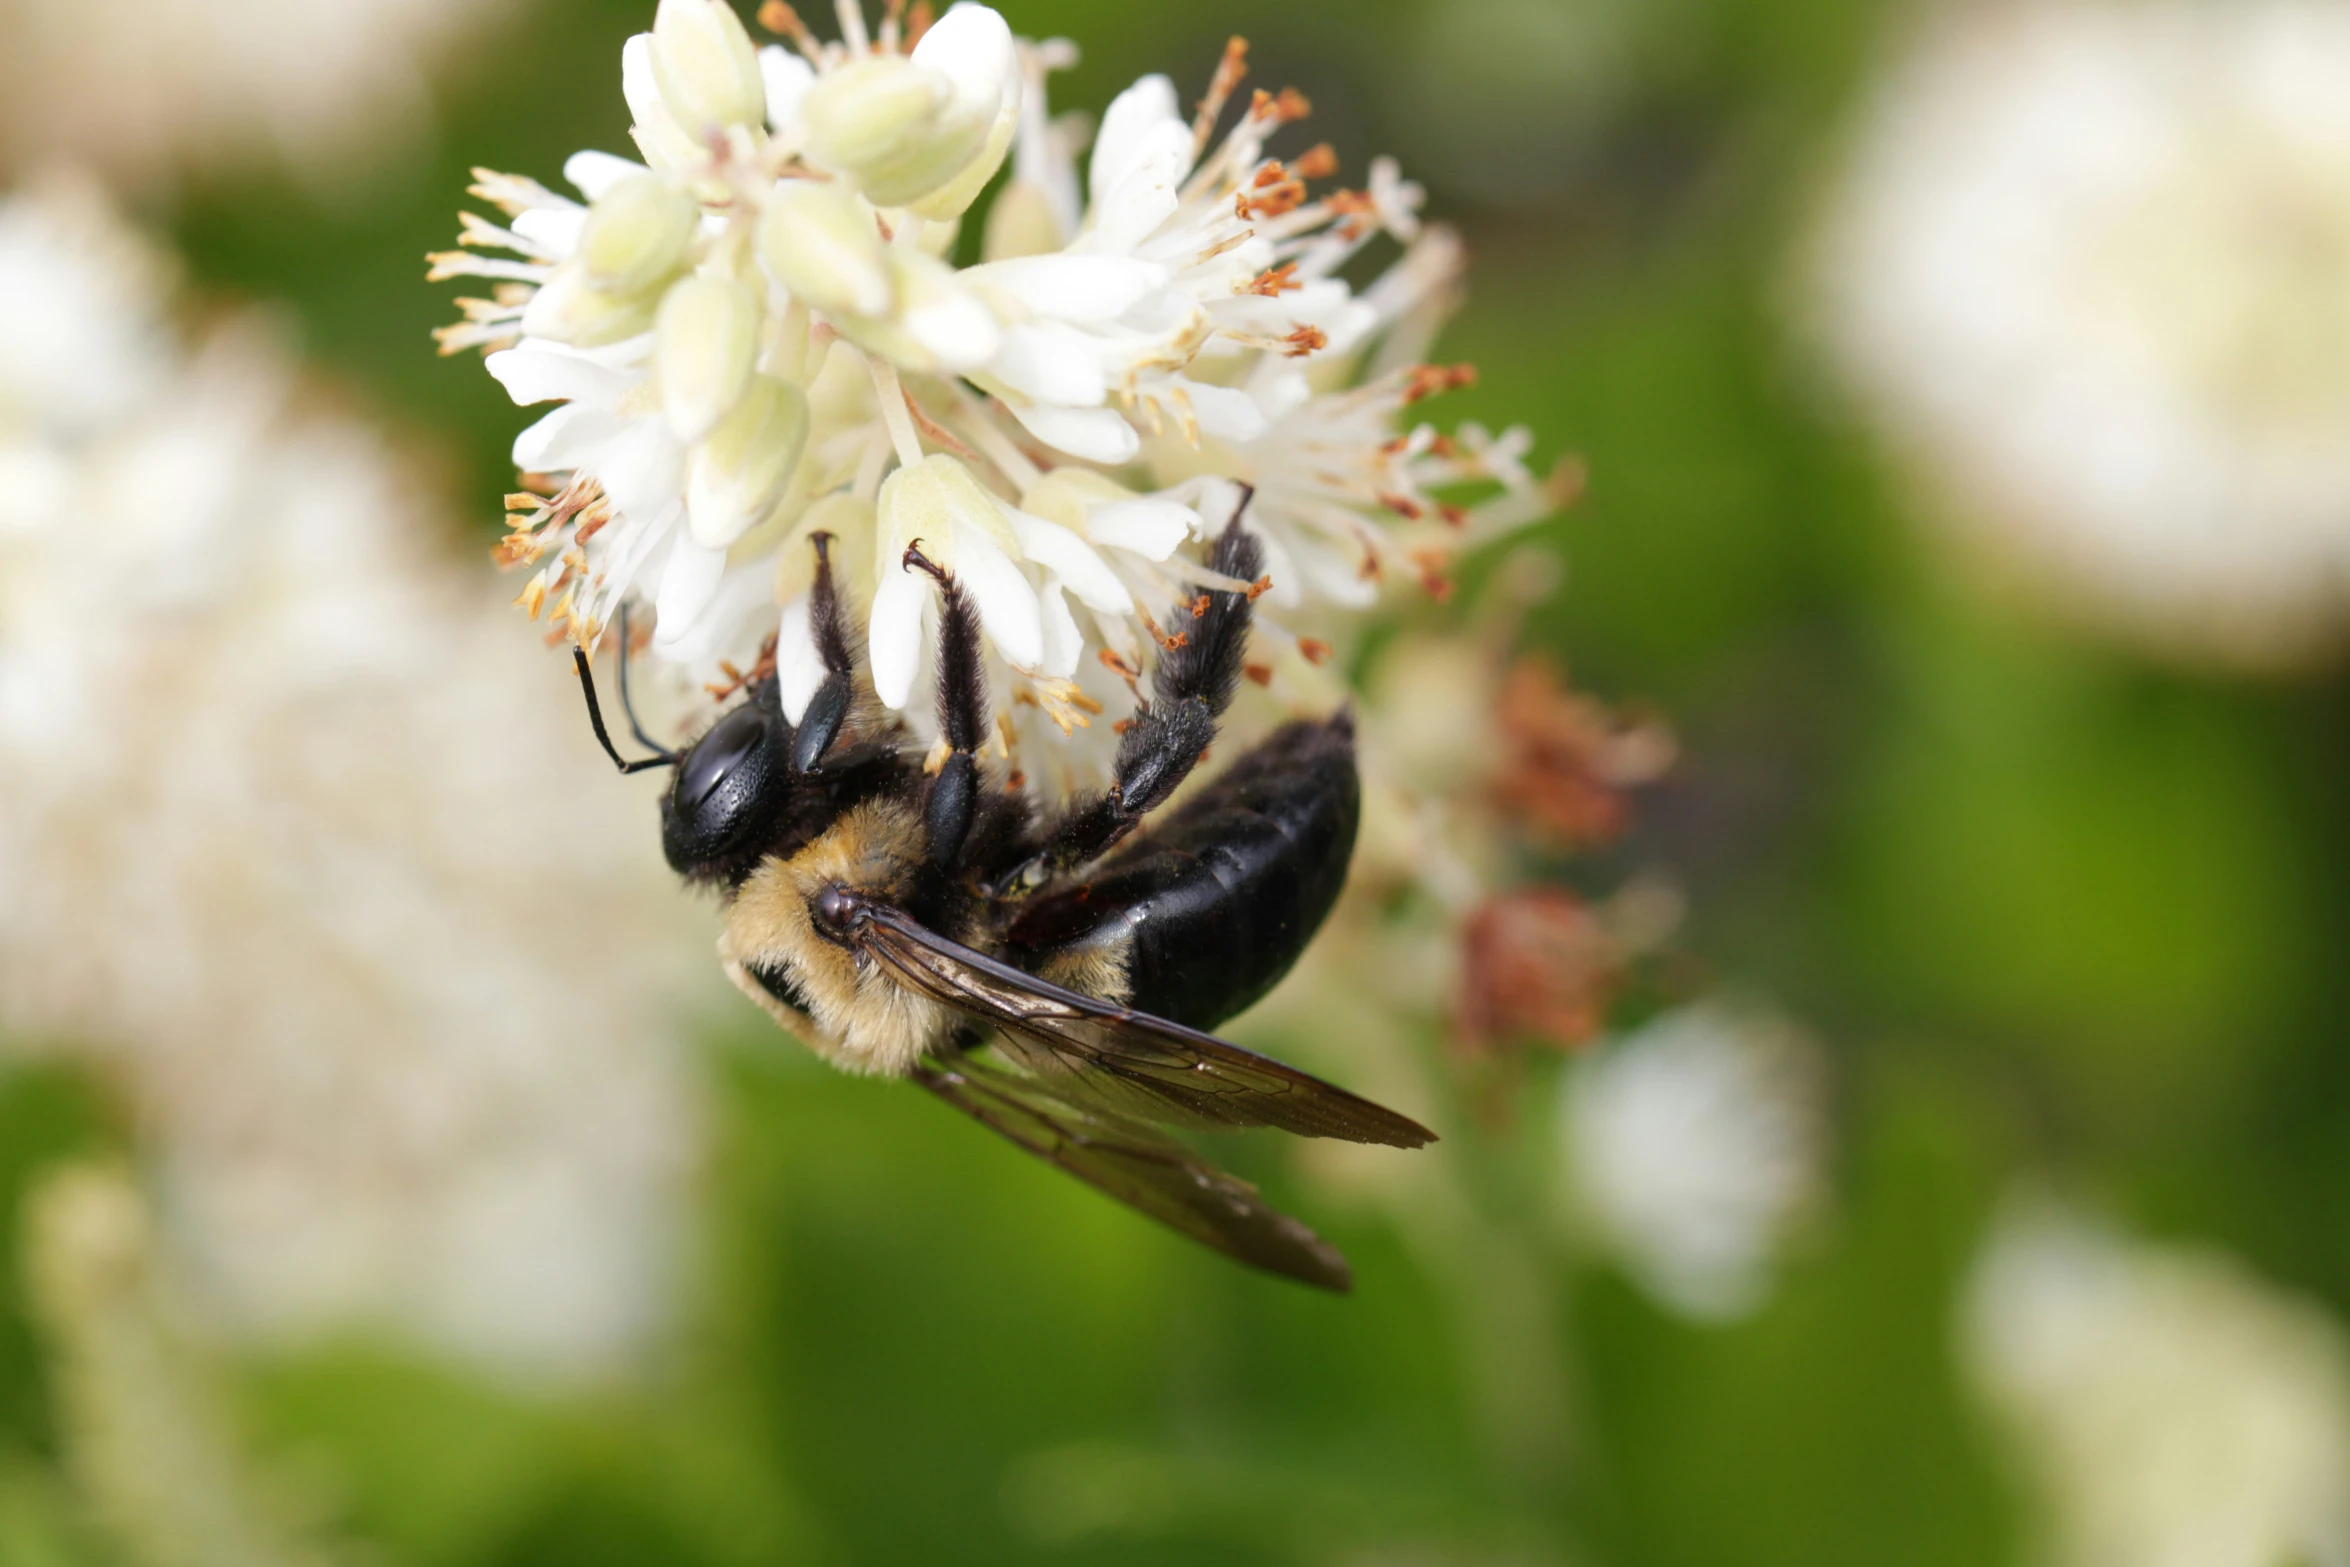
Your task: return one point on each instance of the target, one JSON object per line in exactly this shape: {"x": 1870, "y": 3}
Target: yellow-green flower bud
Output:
{"x": 637, "y": 235}
{"x": 872, "y": 112}
{"x": 819, "y": 241}
{"x": 705, "y": 342}
{"x": 706, "y": 68}
{"x": 569, "y": 309}
{"x": 737, "y": 475}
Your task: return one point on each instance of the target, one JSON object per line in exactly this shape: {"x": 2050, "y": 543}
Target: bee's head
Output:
{"x": 752, "y": 780}
{"x": 730, "y": 788}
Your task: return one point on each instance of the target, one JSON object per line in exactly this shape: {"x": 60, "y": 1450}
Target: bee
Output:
{"x": 1053, "y": 980}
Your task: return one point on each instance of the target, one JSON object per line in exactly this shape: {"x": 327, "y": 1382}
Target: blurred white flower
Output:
{"x": 756, "y": 334}
{"x": 286, "y": 844}
{"x": 1693, "y": 1145}
{"x": 146, "y": 89}
{"x": 2090, "y": 270}
{"x": 2172, "y": 1409}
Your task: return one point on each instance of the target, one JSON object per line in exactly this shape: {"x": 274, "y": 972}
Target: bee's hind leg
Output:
{"x": 1192, "y": 686}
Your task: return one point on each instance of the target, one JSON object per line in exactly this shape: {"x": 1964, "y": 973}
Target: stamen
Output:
{"x": 1229, "y": 72}
{"x": 781, "y": 20}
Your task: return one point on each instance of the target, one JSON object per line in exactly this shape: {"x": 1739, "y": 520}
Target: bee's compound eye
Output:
{"x": 836, "y": 907}
{"x": 718, "y": 753}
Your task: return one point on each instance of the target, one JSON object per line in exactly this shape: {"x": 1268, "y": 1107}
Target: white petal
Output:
{"x": 1096, "y": 434}
{"x": 543, "y": 372}
{"x": 553, "y": 229}
{"x": 1052, "y": 363}
{"x": 593, "y": 173}
{"x": 1133, "y": 116}
{"x": 947, "y": 319}
{"x": 688, "y": 583}
{"x": 1089, "y": 290}
{"x": 1072, "y": 560}
{"x": 1288, "y": 590}
{"x": 1145, "y": 196}
{"x": 1334, "y": 576}
{"x": 893, "y": 636}
{"x": 1063, "y": 642}
{"x": 565, "y": 438}
{"x": 643, "y": 469}
{"x": 788, "y": 79}
{"x": 972, "y": 46}
{"x": 1006, "y": 603}
{"x": 1225, "y": 412}
{"x": 1150, "y": 528}
{"x": 799, "y": 668}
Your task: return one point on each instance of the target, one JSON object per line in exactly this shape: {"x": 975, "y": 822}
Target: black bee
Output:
{"x": 1053, "y": 981}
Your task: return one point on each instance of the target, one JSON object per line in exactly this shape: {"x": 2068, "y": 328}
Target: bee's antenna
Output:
{"x": 587, "y": 683}
{"x": 627, "y": 704}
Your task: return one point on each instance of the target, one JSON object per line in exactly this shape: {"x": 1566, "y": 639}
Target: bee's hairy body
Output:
{"x": 899, "y": 918}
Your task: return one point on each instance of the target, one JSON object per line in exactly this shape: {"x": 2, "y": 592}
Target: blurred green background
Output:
{"x": 2054, "y": 910}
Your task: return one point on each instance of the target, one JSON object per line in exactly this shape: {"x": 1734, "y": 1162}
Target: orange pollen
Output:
{"x": 918, "y": 22}
{"x": 1273, "y": 284}
{"x": 1286, "y": 107}
{"x": 1016, "y": 781}
{"x": 1404, "y": 506}
{"x": 781, "y": 20}
{"x": 1262, "y": 674}
{"x": 1271, "y": 174}
{"x": 1111, "y": 660}
{"x": 1319, "y": 163}
{"x": 1431, "y": 566}
{"x": 1371, "y": 570}
{"x": 525, "y": 501}
{"x": 1199, "y": 606}
{"x": 1181, "y": 639}
{"x": 1121, "y": 726}
{"x": 1425, "y": 381}
{"x": 1455, "y": 516}
{"x": 1314, "y": 649}
{"x": 1305, "y": 340}
{"x": 512, "y": 550}
{"x": 1276, "y": 200}
{"x": 1259, "y": 588}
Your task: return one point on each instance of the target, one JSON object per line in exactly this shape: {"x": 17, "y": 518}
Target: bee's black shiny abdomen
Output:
{"x": 1224, "y": 893}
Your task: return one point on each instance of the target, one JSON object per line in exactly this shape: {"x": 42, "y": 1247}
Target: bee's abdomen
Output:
{"x": 1219, "y": 899}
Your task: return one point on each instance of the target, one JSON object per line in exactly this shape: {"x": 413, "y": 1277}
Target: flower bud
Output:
{"x": 871, "y": 112}
{"x": 739, "y": 473}
{"x": 705, "y": 66}
{"x": 819, "y": 241}
{"x": 637, "y": 234}
{"x": 926, "y": 132}
{"x": 973, "y": 48}
{"x": 569, "y": 309}
{"x": 706, "y": 340}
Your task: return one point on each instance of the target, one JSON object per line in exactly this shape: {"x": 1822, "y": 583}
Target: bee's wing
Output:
{"x": 1141, "y": 1167}
{"x": 1084, "y": 1051}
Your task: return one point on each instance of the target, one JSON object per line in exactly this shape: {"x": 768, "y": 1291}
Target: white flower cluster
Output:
{"x": 287, "y": 851}
{"x": 1695, "y": 1144}
{"x": 758, "y": 333}
{"x": 2174, "y": 1410}
{"x": 2089, "y": 269}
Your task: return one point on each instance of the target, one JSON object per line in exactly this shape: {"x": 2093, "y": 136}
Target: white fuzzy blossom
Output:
{"x": 757, "y": 331}
{"x": 1692, "y": 1145}
{"x": 2172, "y": 1410}
{"x": 149, "y": 89}
{"x": 2089, "y": 269}
{"x": 286, "y": 849}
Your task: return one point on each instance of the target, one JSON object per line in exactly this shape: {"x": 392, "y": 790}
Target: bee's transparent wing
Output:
{"x": 1141, "y": 1167}
{"x": 1094, "y": 1054}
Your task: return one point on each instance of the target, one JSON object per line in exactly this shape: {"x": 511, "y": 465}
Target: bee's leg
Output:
{"x": 962, "y": 716}
{"x": 820, "y": 724}
{"x": 1190, "y": 690}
